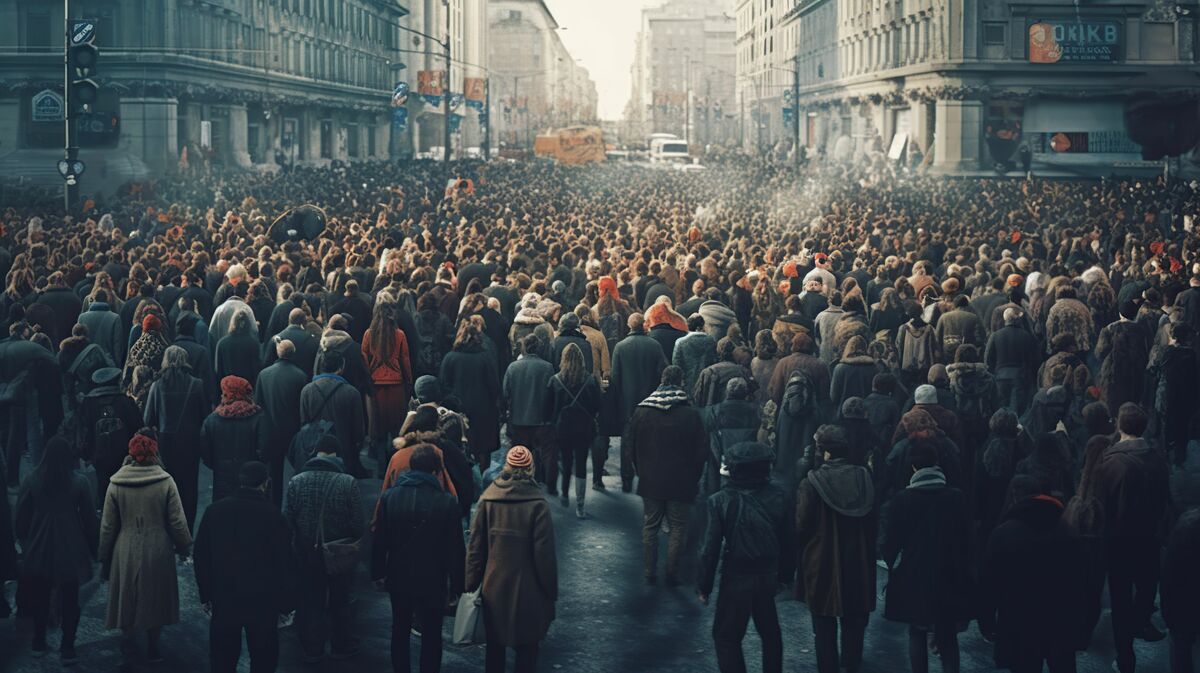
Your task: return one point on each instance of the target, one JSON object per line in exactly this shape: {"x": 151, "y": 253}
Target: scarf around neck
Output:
{"x": 928, "y": 478}
{"x": 665, "y": 397}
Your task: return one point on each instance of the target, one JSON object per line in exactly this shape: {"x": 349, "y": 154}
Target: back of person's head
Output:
{"x": 285, "y": 349}
{"x": 332, "y": 362}
{"x": 253, "y": 475}
{"x": 832, "y": 439}
{"x": 695, "y": 322}
{"x": 425, "y": 459}
{"x": 725, "y": 349}
{"x": 297, "y": 316}
{"x": 966, "y": 353}
{"x": 636, "y": 321}
{"x": 672, "y": 376}
{"x": 884, "y": 383}
{"x": 531, "y": 344}
{"x": 737, "y": 389}
{"x": 922, "y": 454}
{"x": 100, "y": 297}
{"x": 1132, "y": 420}
{"x": 1181, "y": 334}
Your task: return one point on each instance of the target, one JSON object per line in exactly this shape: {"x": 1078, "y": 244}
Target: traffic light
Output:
{"x": 81, "y": 64}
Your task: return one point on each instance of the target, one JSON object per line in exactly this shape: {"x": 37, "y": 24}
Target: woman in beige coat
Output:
{"x": 511, "y": 555}
{"x": 141, "y": 530}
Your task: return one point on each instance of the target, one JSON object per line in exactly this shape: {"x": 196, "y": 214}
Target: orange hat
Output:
{"x": 1156, "y": 248}
{"x": 1016, "y": 236}
{"x": 789, "y": 270}
{"x": 1015, "y": 280}
{"x": 151, "y": 323}
{"x": 519, "y": 457}
{"x": 608, "y": 286}
{"x": 693, "y": 235}
{"x": 143, "y": 448}
{"x": 1176, "y": 265}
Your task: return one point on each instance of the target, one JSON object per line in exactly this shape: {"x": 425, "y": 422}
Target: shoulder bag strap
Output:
{"x": 321, "y": 513}
{"x": 326, "y": 398}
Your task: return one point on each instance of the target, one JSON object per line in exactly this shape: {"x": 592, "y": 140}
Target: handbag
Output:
{"x": 340, "y": 556}
{"x": 468, "y": 619}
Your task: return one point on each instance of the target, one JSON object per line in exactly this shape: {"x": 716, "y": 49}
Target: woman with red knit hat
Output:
{"x": 141, "y": 530}
{"x": 234, "y": 434}
{"x": 147, "y": 350}
{"x": 517, "y": 570}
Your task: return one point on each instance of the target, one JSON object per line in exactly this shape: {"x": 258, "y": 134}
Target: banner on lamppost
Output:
{"x": 430, "y": 85}
{"x": 400, "y": 94}
{"x": 475, "y": 90}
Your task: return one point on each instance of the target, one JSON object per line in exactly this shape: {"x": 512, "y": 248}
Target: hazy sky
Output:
{"x": 602, "y": 34}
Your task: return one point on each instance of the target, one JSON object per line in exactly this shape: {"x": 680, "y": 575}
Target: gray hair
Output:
{"x": 175, "y": 356}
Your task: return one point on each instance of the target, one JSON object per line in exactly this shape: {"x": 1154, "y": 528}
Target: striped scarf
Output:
{"x": 665, "y": 397}
{"x": 928, "y": 478}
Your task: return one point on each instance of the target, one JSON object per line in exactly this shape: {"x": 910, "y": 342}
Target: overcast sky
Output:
{"x": 602, "y": 32}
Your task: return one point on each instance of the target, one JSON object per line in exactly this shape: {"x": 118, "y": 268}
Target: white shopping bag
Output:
{"x": 468, "y": 619}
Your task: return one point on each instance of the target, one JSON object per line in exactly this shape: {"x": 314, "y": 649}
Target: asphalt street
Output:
{"x": 607, "y": 618}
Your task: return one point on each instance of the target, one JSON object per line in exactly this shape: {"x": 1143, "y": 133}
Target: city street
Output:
{"x": 607, "y": 618}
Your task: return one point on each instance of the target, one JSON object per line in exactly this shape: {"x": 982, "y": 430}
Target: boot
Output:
{"x": 580, "y": 494}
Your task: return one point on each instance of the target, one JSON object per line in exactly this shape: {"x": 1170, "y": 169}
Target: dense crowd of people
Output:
{"x": 985, "y": 388}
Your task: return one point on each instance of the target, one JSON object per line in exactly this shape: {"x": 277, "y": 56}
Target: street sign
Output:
{"x": 82, "y": 31}
{"x": 47, "y": 106}
{"x": 69, "y": 169}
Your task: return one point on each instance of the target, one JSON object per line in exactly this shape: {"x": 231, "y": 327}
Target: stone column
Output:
{"x": 10, "y": 124}
{"x": 959, "y": 126}
{"x": 239, "y": 152}
{"x": 149, "y": 131}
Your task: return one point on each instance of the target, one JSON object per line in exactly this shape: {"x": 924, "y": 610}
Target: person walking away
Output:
{"x": 1181, "y": 590}
{"x": 668, "y": 445}
{"x": 244, "y": 573}
{"x": 1012, "y": 356}
{"x": 110, "y": 417}
{"x": 637, "y": 363}
{"x": 573, "y": 400}
{"x": 417, "y": 553}
{"x": 729, "y": 423}
{"x": 1133, "y": 485}
{"x": 176, "y": 409}
{"x": 924, "y": 537}
{"x": 524, "y": 392}
{"x": 278, "y": 391}
{"x": 234, "y": 434}
{"x": 323, "y": 504}
{"x": 470, "y": 373}
{"x": 330, "y": 397}
{"x": 57, "y": 526}
{"x": 1031, "y": 586}
{"x": 1178, "y": 392}
{"x": 385, "y": 351}
{"x": 835, "y": 539}
{"x": 142, "y": 528}
{"x": 511, "y": 560}
{"x": 747, "y": 534}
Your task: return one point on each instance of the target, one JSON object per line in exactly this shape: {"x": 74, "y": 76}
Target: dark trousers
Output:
{"x": 627, "y": 471}
{"x": 1013, "y": 390}
{"x": 323, "y": 612}
{"x": 494, "y": 658}
{"x": 599, "y": 457}
{"x": 36, "y": 594}
{"x": 1182, "y": 641}
{"x": 262, "y": 639}
{"x": 14, "y": 442}
{"x": 181, "y": 460}
{"x": 1058, "y": 662}
{"x": 275, "y": 468}
{"x": 825, "y": 632}
{"x": 574, "y": 454}
{"x": 740, "y": 598}
{"x": 1133, "y": 568}
{"x": 945, "y": 634}
{"x": 428, "y": 611}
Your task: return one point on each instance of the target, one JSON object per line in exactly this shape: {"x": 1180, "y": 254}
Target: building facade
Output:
{"x": 961, "y": 85}
{"x": 248, "y": 83}
{"x": 537, "y": 84}
{"x": 683, "y": 74}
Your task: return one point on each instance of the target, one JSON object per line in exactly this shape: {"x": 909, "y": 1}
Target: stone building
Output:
{"x": 683, "y": 73}
{"x": 536, "y": 82}
{"x": 957, "y": 84}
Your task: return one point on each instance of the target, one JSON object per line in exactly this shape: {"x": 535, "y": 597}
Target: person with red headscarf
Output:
{"x": 234, "y": 434}
{"x": 141, "y": 529}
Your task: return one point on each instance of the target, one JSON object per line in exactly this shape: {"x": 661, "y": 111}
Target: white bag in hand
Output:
{"x": 468, "y": 619}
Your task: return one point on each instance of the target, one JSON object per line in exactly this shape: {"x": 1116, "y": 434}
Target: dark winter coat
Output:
{"x": 1012, "y": 352}
{"x": 667, "y": 337}
{"x": 1180, "y": 582}
{"x": 355, "y": 371}
{"x": 637, "y": 364}
{"x": 418, "y": 543}
{"x": 58, "y": 532}
{"x": 331, "y": 398}
{"x": 108, "y": 458}
{"x": 852, "y": 377}
{"x": 65, "y": 307}
{"x": 230, "y": 443}
{"x": 238, "y": 355}
{"x": 835, "y": 538}
{"x": 470, "y": 374}
{"x": 883, "y": 413}
{"x": 729, "y": 423}
{"x": 278, "y": 391}
{"x": 322, "y": 478}
{"x": 306, "y": 345}
{"x": 692, "y": 353}
{"x": 958, "y": 327}
{"x": 816, "y": 371}
{"x": 42, "y": 374}
{"x": 511, "y": 557}
{"x": 104, "y": 328}
{"x": 243, "y": 560}
{"x": 1031, "y": 583}
{"x": 200, "y": 360}
{"x": 176, "y": 408}
{"x": 1071, "y": 316}
{"x": 1123, "y": 353}
{"x": 588, "y": 399}
{"x": 669, "y": 449}
{"x": 359, "y": 310}
{"x": 525, "y": 386}
{"x": 711, "y": 386}
{"x": 1133, "y": 483}
{"x": 566, "y": 338}
{"x": 924, "y": 539}
{"x": 724, "y": 510}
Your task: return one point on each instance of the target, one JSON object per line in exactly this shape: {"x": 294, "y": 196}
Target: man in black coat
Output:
{"x": 199, "y": 358}
{"x": 418, "y": 550}
{"x": 1012, "y": 356}
{"x": 277, "y": 390}
{"x": 330, "y": 397}
{"x": 568, "y": 333}
{"x": 356, "y": 306}
{"x": 1031, "y": 586}
{"x": 305, "y": 342}
{"x": 66, "y": 307}
{"x": 1133, "y": 483}
{"x": 244, "y": 573}
{"x": 1181, "y": 589}
{"x": 637, "y": 363}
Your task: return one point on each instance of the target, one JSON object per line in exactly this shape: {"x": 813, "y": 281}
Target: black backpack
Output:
{"x": 610, "y": 327}
{"x": 799, "y": 396}
{"x": 753, "y": 536}
{"x": 304, "y": 444}
{"x": 573, "y": 419}
{"x": 111, "y": 435}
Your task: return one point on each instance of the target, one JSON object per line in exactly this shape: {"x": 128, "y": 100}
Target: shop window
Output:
{"x": 993, "y": 34}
